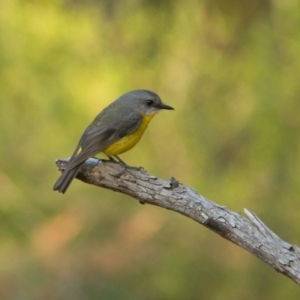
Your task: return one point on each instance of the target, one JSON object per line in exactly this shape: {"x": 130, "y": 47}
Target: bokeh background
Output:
{"x": 231, "y": 70}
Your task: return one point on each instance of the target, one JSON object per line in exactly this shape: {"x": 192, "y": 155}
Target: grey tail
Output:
{"x": 65, "y": 179}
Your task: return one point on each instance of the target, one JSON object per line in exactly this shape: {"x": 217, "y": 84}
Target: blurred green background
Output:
{"x": 231, "y": 70}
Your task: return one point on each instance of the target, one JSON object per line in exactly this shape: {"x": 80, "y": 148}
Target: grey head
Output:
{"x": 145, "y": 101}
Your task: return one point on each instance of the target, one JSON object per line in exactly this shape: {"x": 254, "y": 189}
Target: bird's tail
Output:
{"x": 65, "y": 179}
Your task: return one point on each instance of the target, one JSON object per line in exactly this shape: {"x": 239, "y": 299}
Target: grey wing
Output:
{"x": 99, "y": 136}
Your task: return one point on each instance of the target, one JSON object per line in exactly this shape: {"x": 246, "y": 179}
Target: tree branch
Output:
{"x": 252, "y": 235}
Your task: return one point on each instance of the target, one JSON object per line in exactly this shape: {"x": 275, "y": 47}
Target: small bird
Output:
{"x": 115, "y": 130}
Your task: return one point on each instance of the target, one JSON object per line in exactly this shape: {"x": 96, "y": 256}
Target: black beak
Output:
{"x": 165, "y": 106}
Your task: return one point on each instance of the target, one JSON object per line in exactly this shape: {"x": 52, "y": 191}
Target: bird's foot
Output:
{"x": 116, "y": 158}
{"x": 126, "y": 168}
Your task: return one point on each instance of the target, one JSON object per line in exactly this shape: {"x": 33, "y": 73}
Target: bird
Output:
{"x": 115, "y": 130}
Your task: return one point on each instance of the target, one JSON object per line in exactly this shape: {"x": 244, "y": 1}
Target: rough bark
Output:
{"x": 251, "y": 234}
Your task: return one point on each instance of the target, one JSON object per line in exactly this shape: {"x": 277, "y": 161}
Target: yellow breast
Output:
{"x": 128, "y": 141}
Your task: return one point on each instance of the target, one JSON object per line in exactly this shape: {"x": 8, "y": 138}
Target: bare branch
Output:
{"x": 252, "y": 235}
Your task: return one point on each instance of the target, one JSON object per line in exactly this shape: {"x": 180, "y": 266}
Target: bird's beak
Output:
{"x": 165, "y": 106}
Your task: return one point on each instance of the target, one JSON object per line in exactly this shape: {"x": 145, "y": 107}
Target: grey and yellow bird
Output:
{"x": 115, "y": 130}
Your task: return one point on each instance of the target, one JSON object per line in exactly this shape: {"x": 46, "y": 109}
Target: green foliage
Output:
{"x": 230, "y": 71}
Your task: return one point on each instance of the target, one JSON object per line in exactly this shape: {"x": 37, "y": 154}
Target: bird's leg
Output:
{"x": 121, "y": 161}
{"x": 126, "y": 167}
{"x": 111, "y": 158}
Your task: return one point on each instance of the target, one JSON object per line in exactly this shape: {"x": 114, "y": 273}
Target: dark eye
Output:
{"x": 150, "y": 102}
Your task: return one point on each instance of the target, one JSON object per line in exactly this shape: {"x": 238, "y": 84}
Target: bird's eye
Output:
{"x": 150, "y": 102}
